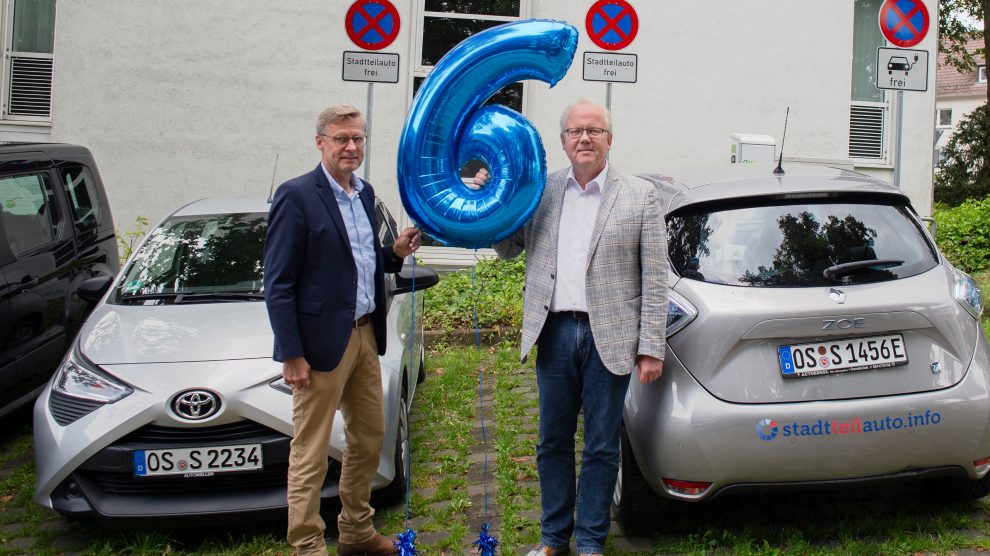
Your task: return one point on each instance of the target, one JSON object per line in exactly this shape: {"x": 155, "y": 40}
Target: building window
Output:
{"x": 944, "y": 117}
{"x": 29, "y": 40}
{"x": 981, "y": 73}
{"x": 868, "y": 109}
{"x": 445, "y": 23}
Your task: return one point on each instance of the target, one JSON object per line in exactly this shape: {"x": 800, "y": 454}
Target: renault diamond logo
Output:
{"x": 837, "y": 295}
{"x": 195, "y": 405}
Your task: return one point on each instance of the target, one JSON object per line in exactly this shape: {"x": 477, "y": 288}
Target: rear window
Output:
{"x": 793, "y": 245}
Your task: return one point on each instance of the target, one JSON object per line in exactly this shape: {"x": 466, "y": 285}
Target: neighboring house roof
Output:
{"x": 949, "y": 82}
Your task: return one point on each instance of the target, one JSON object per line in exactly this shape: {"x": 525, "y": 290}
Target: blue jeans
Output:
{"x": 570, "y": 374}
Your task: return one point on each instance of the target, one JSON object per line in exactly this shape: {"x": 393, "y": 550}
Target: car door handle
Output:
{"x": 27, "y": 283}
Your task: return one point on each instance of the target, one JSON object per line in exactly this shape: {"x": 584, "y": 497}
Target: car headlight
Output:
{"x": 967, "y": 293}
{"x": 80, "y": 378}
{"x": 680, "y": 312}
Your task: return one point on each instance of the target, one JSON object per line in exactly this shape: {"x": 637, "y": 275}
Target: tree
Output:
{"x": 964, "y": 170}
{"x": 955, "y": 29}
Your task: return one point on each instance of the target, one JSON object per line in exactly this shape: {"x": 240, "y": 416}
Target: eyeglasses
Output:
{"x": 343, "y": 140}
{"x": 593, "y": 132}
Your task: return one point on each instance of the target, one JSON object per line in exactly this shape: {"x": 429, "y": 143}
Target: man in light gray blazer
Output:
{"x": 595, "y": 304}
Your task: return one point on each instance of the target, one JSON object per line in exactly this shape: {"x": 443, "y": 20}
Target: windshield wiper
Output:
{"x": 147, "y": 296}
{"x": 180, "y": 297}
{"x": 218, "y": 296}
{"x": 835, "y": 271}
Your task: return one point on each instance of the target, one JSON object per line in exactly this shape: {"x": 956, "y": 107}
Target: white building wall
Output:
{"x": 180, "y": 99}
{"x": 961, "y": 108}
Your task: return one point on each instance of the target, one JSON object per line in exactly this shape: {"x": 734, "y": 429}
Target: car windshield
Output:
{"x": 208, "y": 258}
{"x": 798, "y": 244}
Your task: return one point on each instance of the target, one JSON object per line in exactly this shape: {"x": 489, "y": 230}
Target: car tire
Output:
{"x": 960, "y": 489}
{"x": 395, "y": 492}
{"x": 634, "y": 504}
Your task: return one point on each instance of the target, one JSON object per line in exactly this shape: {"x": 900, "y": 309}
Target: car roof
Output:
{"x": 224, "y": 205}
{"x": 738, "y": 181}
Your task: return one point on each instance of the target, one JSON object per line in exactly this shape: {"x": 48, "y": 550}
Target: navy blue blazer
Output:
{"x": 310, "y": 274}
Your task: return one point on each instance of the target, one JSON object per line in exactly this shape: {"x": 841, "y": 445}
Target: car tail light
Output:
{"x": 981, "y": 462}
{"x": 680, "y": 313}
{"x": 687, "y": 488}
{"x": 967, "y": 293}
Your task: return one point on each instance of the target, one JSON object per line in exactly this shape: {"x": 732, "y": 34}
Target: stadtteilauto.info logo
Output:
{"x": 768, "y": 429}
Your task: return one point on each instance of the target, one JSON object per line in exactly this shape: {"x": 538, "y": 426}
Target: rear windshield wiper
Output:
{"x": 835, "y": 271}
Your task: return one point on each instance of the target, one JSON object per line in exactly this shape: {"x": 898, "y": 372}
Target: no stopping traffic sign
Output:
{"x": 612, "y": 24}
{"x": 372, "y": 24}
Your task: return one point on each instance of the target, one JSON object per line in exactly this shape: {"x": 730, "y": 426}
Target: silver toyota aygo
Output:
{"x": 169, "y": 404}
{"x": 816, "y": 338}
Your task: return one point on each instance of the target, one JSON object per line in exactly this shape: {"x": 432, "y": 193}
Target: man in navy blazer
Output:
{"x": 325, "y": 292}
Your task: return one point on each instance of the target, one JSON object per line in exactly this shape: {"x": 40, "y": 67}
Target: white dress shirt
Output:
{"x": 577, "y": 221}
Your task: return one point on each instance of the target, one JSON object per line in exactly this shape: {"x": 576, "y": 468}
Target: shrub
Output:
{"x": 963, "y": 234}
{"x": 497, "y": 291}
{"x": 964, "y": 170}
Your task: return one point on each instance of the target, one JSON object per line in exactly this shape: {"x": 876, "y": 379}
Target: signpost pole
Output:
{"x": 367, "y": 131}
{"x": 899, "y": 121}
{"x": 608, "y": 96}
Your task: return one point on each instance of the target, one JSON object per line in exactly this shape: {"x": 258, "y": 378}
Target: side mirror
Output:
{"x": 426, "y": 277}
{"x": 93, "y": 289}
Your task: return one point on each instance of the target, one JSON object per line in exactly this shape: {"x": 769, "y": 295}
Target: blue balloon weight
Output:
{"x": 448, "y": 127}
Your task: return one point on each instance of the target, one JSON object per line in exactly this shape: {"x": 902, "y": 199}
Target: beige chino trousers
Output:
{"x": 355, "y": 387}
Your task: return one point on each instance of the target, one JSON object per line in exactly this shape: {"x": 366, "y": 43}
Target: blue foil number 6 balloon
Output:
{"x": 448, "y": 127}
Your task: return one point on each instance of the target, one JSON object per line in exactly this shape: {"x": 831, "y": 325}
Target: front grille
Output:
{"x": 232, "y": 433}
{"x": 121, "y": 484}
{"x": 67, "y": 410}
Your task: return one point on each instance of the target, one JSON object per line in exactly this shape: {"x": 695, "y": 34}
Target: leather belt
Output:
{"x": 366, "y": 319}
{"x": 579, "y": 315}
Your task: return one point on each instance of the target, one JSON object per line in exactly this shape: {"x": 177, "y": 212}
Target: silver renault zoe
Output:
{"x": 816, "y": 338}
{"x": 169, "y": 404}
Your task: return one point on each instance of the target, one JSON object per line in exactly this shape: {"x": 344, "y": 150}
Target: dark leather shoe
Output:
{"x": 375, "y": 546}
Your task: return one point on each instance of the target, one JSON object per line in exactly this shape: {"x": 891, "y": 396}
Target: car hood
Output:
{"x": 119, "y": 334}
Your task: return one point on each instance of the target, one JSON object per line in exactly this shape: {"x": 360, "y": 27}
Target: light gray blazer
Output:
{"x": 626, "y": 276}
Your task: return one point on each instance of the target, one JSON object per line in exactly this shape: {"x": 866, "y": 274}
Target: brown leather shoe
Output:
{"x": 375, "y": 546}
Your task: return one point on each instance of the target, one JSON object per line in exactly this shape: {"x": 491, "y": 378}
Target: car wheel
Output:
{"x": 960, "y": 489}
{"x": 634, "y": 504}
{"x": 395, "y": 492}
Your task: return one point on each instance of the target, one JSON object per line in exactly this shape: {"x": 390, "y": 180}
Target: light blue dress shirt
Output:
{"x": 361, "y": 236}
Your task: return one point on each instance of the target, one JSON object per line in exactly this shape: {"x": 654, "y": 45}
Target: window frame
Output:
{"x": 981, "y": 73}
{"x": 7, "y": 15}
{"x": 938, "y": 117}
{"x": 420, "y": 13}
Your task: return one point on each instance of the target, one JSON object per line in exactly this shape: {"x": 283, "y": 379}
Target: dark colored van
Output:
{"x": 55, "y": 232}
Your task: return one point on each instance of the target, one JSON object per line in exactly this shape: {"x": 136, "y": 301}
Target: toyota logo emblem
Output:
{"x": 196, "y": 405}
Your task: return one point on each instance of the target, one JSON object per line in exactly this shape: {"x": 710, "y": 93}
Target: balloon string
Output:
{"x": 412, "y": 348}
{"x": 481, "y": 384}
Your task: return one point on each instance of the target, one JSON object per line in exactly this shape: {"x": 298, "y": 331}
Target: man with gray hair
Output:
{"x": 595, "y": 303}
{"x": 325, "y": 292}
